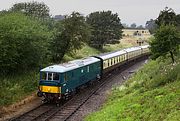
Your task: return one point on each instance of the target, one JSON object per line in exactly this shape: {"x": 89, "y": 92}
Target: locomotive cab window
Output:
{"x": 49, "y": 76}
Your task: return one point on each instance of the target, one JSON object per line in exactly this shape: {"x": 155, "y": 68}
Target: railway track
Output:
{"x": 50, "y": 112}
{"x": 32, "y": 114}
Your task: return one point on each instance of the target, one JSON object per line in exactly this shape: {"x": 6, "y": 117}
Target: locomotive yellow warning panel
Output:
{"x": 50, "y": 89}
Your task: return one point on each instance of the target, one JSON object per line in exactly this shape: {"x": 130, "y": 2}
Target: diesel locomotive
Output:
{"x": 61, "y": 80}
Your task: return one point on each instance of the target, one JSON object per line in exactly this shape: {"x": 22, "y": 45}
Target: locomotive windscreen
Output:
{"x": 49, "y": 76}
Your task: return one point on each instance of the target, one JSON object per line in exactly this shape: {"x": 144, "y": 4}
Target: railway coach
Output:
{"x": 61, "y": 80}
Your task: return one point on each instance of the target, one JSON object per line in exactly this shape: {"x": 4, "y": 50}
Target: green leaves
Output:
{"x": 71, "y": 34}
{"x": 166, "y": 17}
{"x": 34, "y": 9}
{"x": 23, "y": 42}
{"x": 106, "y": 27}
{"x": 166, "y": 41}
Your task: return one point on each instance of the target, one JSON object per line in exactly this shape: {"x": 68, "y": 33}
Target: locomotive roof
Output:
{"x": 64, "y": 67}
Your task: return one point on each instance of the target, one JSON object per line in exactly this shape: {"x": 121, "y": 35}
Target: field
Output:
{"x": 152, "y": 94}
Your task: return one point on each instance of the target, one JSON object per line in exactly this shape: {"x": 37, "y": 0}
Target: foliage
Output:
{"x": 15, "y": 87}
{"x": 166, "y": 17}
{"x": 140, "y": 27}
{"x": 133, "y": 25}
{"x": 151, "y": 25}
{"x": 178, "y": 21}
{"x": 106, "y": 27}
{"x": 71, "y": 34}
{"x": 35, "y": 9}
{"x": 151, "y": 94}
{"x": 23, "y": 43}
{"x": 166, "y": 41}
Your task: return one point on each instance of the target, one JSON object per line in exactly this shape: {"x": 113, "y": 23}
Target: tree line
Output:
{"x": 30, "y": 37}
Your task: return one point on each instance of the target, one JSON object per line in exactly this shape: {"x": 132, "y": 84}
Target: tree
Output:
{"x": 71, "y": 34}
{"x": 35, "y": 9}
{"x": 125, "y": 25}
{"x": 166, "y": 41}
{"x": 178, "y": 21}
{"x": 133, "y": 25}
{"x": 166, "y": 17}
{"x": 140, "y": 27}
{"x": 106, "y": 27}
{"x": 151, "y": 25}
{"x": 23, "y": 43}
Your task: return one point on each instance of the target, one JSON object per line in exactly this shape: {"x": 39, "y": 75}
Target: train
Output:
{"x": 61, "y": 80}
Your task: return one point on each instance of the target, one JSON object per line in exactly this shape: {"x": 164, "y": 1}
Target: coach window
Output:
{"x": 109, "y": 62}
{"x": 106, "y": 64}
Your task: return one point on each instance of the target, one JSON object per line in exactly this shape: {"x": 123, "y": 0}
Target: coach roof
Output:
{"x": 112, "y": 54}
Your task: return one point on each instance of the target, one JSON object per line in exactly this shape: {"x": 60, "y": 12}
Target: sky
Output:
{"x": 129, "y": 11}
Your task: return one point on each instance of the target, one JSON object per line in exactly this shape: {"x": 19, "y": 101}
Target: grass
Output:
{"x": 15, "y": 88}
{"x": 84, "y": 52}
{"x": 152, "y": 94}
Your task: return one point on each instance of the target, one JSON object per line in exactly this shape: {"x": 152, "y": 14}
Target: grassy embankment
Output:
{"x": 152, "y": 94}
{"x": 17, "y": 87}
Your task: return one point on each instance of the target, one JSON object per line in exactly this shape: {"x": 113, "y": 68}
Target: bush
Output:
{"x": 23, "y": 42}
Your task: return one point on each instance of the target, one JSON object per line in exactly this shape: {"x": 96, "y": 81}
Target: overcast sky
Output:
{"x": 130, "y": 11}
